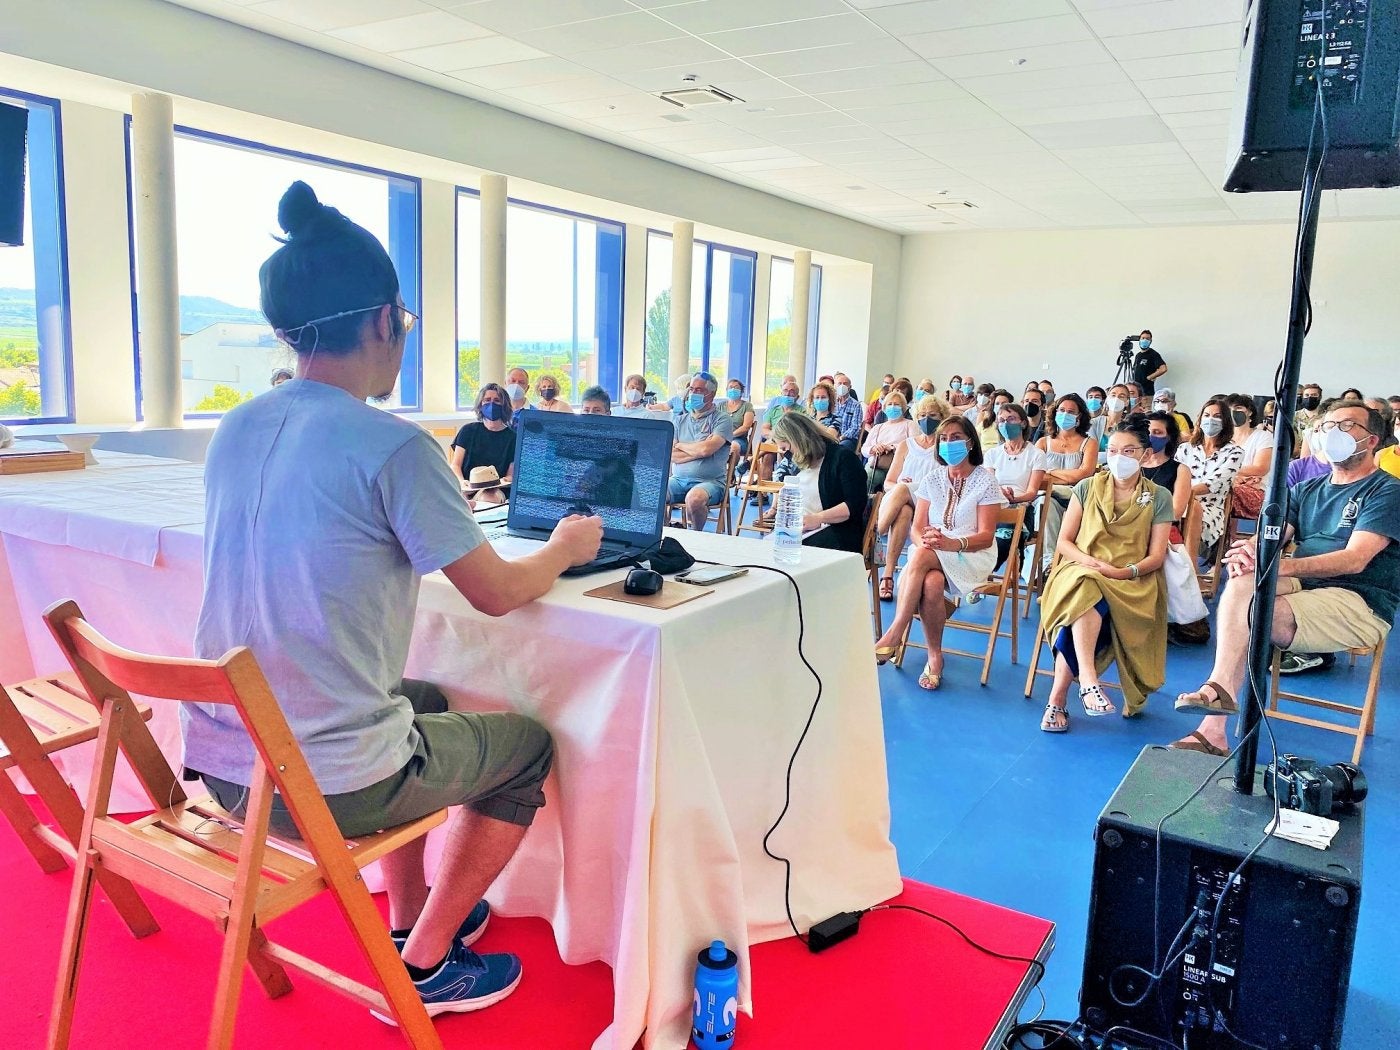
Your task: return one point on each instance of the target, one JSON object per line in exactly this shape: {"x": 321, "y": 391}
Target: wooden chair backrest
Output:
{"x": 110, "y": 674}
{"x": 872, "y": 522}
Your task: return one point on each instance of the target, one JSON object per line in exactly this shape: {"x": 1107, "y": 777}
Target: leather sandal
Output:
{"x": 928, "y": 680}
{"x": 1196, "y": 741}
{"x": 1054, "y": 720}
{"x": 884, "y": 653}
{"x": 887, "y": 588}
{"x": 1222, "y": 703}
{"x": 1096, "y": 705}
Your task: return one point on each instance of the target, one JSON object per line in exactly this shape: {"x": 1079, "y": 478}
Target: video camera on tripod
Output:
{"x": 1125, "y": 349}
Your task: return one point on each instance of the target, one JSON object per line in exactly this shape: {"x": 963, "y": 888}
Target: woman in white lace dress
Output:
{"x": 954, "y": 547}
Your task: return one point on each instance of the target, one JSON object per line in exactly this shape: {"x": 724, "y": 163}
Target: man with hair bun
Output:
{"x": 322, "y": 515}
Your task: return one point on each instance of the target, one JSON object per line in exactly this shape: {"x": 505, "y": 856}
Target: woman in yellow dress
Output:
{"x": 1106, "y": 601}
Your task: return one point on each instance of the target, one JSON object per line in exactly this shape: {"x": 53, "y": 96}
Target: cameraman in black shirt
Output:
{"x": 1148, "y": 365}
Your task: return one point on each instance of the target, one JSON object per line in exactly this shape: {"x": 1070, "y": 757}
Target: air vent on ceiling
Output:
{"x": 951, "y": 205}
{"x": 692, "y": 97}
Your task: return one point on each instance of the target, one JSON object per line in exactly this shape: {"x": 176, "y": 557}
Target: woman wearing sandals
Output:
{"x": 955, "y": 522}
{"x": 1106, "y": 601}
{"x": 912, "y": 460}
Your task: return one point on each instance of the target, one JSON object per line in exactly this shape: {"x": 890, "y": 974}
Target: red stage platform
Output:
{"x": 904, "y": 981}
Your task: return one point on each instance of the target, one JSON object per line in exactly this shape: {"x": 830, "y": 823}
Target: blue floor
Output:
{"x": 987, "y": 805}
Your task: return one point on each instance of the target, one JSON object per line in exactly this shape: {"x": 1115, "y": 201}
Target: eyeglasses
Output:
{"x": 409, "y": 318}
{"x": 1346, "y": 426}
{"x": 1131, "y": 451}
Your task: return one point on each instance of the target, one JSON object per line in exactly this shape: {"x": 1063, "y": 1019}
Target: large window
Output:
{"x": 35, "y": 366}
{"x": 563, "y": 298}
{"x": 780, "y": 286}
{"x": 721, "y": 310}
{"x": 226, "y": 194}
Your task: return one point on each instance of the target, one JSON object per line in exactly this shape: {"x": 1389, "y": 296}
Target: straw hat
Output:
{"x": 481, "y": 478}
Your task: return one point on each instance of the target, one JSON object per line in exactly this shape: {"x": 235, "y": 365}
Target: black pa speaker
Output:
{"x": 14, "y": 123}
{"x": 1283, "y": 57}
{"x": 1283, "y": 958}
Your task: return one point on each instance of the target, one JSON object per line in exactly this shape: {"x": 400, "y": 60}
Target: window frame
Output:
{"x": 60, "y": 249}
{"x": 410, "y": 278}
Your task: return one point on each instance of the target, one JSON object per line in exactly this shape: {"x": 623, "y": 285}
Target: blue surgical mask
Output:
{"x": 516, "y": 391}
{"x": 919, "y": 395}
{"x": 786, "y": 401}
{"x": 490, "y": 410}
{"x": 695, "y": 402}
{"x": 821, "y": 404}
{"x": 928, "y": 424}
{"x": 735, "y": 393}
{"x": 1143, "y": 344}
{"x": 1159, "y": 444}
{"x": 893, "y": 412}
{"x": 1066, "y": 420}
{"x": 967, "y": 388}
{"x": 953, "y": 452}
{"x": 1094, "y": 403}
{"x": 1009, "y": 431}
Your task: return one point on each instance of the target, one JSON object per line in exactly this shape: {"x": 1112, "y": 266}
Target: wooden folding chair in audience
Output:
{"x": 197, "y": 855}
{"x": 1005, "y": 586}
{"x": 39, "y": 718}
{"x": 1041, "y": 642}
{"x": 1365, "y": 713}
{"x": 1035, "y": 582}
{"x": 867, "y": 550}
{"x": 758, "y": 491}
{"x": 719, "y": 513}
{"x": 1212, "y": 577}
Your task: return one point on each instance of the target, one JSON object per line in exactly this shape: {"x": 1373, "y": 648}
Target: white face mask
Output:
{"x": 982, "y": 400}
{"x": 632, "y": 395}
{"x": 1211, "y": 426}
{"x": 1122, "y": 467}
{"x": 1116, "y": 405}
{"x": 1338, "y": 447}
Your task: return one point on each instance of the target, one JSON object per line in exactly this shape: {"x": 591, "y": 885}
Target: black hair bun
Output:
{"x": 299, "y": 210}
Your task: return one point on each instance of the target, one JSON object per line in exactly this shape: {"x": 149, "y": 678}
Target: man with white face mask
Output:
{"x": 1340, "y": 588}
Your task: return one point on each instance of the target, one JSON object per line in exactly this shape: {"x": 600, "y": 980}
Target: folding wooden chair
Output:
{"x": 1005, "y": 585}
{"x": 1042, "y": 641}
{"x": 758, "y": 491}
{"x": 872, "y": 570}
{"x": 1365, "y": 714}
{"x": 1035, "y": 582}
{"x": 39, "y": 718}
{"x": 1212, "y": 577}
{"x": 197, "y": 855}
{"x": 719, "y": 513}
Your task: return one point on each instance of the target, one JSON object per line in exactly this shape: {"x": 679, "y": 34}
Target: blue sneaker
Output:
{"x": 473, "y": 926}
{"x": 466, "y": 982}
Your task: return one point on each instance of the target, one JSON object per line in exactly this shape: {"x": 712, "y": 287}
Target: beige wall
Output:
{"x": 1010, "y": 306}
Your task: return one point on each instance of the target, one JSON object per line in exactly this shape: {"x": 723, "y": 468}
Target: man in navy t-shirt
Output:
{"x": 1340, "y": 588}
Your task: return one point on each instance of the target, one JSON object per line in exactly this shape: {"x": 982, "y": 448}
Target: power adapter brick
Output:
{"x": 840, "y": 927}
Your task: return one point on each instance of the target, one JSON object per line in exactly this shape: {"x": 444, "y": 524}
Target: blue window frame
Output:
{"x": 563, "y": 297}
{"x": 227, "y": 191}
{"x": 36, "y": 363}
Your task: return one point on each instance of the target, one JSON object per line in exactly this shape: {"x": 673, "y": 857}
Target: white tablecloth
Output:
{"x": 673, "y": 731}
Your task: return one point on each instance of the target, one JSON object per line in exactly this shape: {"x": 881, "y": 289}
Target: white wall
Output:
{"x": 1012, "y": 306}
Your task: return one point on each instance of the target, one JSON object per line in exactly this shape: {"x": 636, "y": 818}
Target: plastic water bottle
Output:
{"x": 787, "y": 525}
{"x": 716, "y": 998}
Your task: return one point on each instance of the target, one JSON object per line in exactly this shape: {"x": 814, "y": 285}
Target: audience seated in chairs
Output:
{"x": 1213, "y": 459}
{"x": 1071, "y": 455}
{"x": 1256, "y": 457}
{"x": 634, "y": 392}
{"x": 518, "y": 386}
{"x": 700, "y": 457}
{"x": 1106, "y": 599}
{"x": 547, "y": 388}
{"x": 912, "y": 460}
{"x": 741, "y": 414}
{"x": 1339, "y": 589}
{"x": 885, "y": 437}
{"x": 986, "y": 419}
{"x": 821, "y": 406}
{"x": 595, "y": 402}
{"x": 1164, "y": 400}
{"x": 849, "y": 414}
{"x": 955, "y": 543}
{"x": 832, "y": 482}
{"x": 1020, "y": 471}
{"x": 489, "y": 441}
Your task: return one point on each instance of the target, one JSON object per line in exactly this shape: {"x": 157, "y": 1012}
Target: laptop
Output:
{"x": 614, "y": 466}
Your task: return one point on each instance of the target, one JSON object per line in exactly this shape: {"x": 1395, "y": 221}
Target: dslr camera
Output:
{"x": 1309, "y": 786}
{"x": 1125, "y": 349}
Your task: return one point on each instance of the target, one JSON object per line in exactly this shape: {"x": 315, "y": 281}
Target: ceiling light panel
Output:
{"x": 469, "y": 54}
{"x": 512, "y": 17}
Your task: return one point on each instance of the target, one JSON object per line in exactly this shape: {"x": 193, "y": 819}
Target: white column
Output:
{"x": 634, "y": 303}
{"x": 682, "y": 246}
{"x": 758, "y": 366}
{"x": 158, "y": 301}
{"x": 493, "y": 278}
{"x": 801, "y": 307}
{"x": 439, "y": 297}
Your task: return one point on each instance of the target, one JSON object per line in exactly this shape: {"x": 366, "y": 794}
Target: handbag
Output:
{"x": 1184, "y": 601}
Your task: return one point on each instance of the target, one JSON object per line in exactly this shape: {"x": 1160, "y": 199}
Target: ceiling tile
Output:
{"x": 725, "y": 73}
{"x": 792, "y": 163}
{"x": 1072, "y": 81}
{"x": 1184, "y": 65}
{"x": 469, "y": 54}
{"x": 717, "y": 16}
{"x": 937, "y": 15}
{"x": 322, "y": 15}
{"x": 1120, "y": 131}
{"x": 1063, "y": 29}
{"x": 1194, "y": 103}
{"x": 511, "y": 17}
{"x": 658, "y": 54}
{"x": 730, "y": 156}
{"x": 796, "y": 36}
{"x": 1031, "y": 59}
{"x": 1201, "y": 84}
{"x": 1210, "y": 117}
{"x": 892, "y": 74}
{"x": 1174, "y": 42}
{"x": 862, "y": 55}
{"x": 574, "y": 90}
{"x": 762, "y": 89}
{"x": 421, "y": 30}
{"x": 1067, "y": 114}
{"x": 1155, "y": 17}
{"x": 869, "y": 98}
{"x": 596, "y": 34}
{"x": 518, "y": 74}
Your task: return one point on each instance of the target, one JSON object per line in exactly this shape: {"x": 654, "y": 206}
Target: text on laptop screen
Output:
{"x": 570, "y": 465}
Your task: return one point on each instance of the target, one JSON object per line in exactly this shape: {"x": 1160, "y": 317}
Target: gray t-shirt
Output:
{"x": 322, "y": 515}
{"x": 690, "y": 428}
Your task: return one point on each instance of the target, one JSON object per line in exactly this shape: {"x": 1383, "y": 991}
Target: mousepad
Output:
{"x": 672, "y": 593}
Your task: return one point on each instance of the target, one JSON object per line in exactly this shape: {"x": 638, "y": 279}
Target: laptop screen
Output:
{"x": 613, "y": 466}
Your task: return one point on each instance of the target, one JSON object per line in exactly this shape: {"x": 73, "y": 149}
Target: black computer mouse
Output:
{"x": 642, "y": 581}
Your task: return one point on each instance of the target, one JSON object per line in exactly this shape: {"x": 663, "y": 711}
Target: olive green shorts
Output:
{"x": 494, "y": 763}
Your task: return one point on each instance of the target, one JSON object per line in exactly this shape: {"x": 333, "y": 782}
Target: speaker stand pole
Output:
{"x": 1273, "y": 517}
